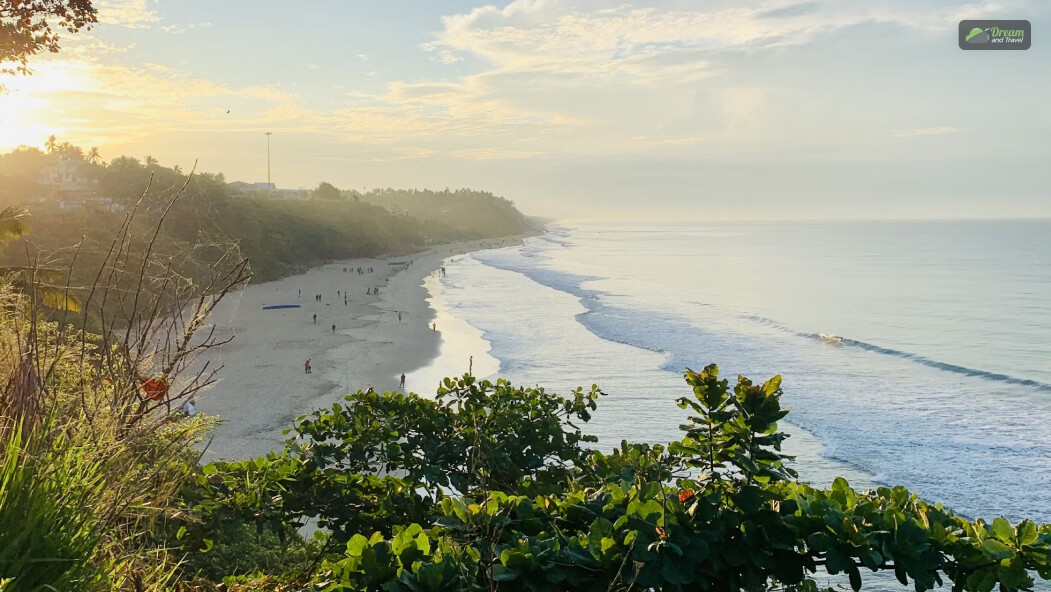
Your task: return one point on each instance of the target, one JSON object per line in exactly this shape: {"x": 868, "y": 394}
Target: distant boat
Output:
{"x": 277, "y": 306}
{"x": 833, "y": 339}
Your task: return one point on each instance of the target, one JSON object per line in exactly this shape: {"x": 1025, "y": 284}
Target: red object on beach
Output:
{"x": 156, "y": 388}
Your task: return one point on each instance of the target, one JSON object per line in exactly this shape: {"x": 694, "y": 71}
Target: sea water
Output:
{"x": 912, "y": 353}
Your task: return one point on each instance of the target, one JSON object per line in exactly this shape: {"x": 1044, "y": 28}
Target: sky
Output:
{"x": 677, "y": 109}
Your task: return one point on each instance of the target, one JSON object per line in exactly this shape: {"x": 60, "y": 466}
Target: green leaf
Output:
{"x": 1003, "y": 529}
{"x": 503, "y": 574}
{"x": 855, "y": 578}
{"x": 356, "y": 545}
{"x": 837, "y": 561}
{"x": 1027, "y": 533}
{"x": 996, "y": 549}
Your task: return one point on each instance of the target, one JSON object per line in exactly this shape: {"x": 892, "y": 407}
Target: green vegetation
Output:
{"x": 495, "y": 490}
{"x": 463, "y": 210}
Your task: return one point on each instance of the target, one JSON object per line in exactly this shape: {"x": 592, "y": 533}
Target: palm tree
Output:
{"x": 12, "y": 224}
{"x": 93, "y": 155}
{"x": 150, "y": 161}
{"x": 31, "y": 280}
{"x": 52, "y": 143}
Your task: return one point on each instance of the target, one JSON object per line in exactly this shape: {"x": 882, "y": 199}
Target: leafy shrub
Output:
{"x": 717, "y": 510}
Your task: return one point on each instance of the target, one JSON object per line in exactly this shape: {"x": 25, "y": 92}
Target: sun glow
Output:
{"x": 30, "y": 109}
{"x": 21, "y": 115}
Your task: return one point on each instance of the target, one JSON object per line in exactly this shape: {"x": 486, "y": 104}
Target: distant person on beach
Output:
{"x": 315, "y": 318}
{"x": 299, "y": 292}
{"x": 434, "y": 327}
{"x": 306, "y": 367}
{"x": 402, "y": 386}
{"x": 189, "y": 408}
{"x": 333, "y": 328}
{"x": 368, "y": 291}
{"x": 399, "y": 317}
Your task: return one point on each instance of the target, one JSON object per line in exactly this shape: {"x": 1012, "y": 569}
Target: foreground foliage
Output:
{"x": 491, "y": 487}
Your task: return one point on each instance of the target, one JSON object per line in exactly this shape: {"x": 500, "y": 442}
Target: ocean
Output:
{"x": 912, "y": 353}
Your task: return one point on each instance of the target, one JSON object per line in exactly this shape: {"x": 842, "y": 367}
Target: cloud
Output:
{"x": 105, "y": 104}
{"x": 135, "y": 14}
{"x": 553, "y": 80}
{"x": 572, "y": 36}
{"x": 790, "y": 11}
{"x": 492, "y": 154}
{"x": 925, "y": 131}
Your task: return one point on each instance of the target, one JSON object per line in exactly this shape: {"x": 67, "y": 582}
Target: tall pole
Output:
{"x": 268, "y": 185}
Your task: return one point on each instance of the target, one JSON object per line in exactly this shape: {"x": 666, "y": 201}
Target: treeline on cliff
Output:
{"x": 279, "y": 236}
{"x": 462, "y": 210}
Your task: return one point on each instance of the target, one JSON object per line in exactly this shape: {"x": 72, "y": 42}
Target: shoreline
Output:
{"x": 262, "y": 387}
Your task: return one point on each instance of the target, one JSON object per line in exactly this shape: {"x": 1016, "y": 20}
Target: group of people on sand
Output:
{"x": 360, "y": 270}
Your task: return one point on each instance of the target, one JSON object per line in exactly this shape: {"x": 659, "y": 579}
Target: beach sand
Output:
{"x": 262, "y": 386}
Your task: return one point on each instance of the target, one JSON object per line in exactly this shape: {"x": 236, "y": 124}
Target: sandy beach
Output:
{"x": 262, "y": 385}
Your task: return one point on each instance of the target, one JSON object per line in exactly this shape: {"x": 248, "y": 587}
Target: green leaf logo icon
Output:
{"x": 977, "y": 35}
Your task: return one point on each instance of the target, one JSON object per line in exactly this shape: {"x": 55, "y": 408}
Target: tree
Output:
{"x": 327, "y": 191}
{"x": 35, "y": 281}
{"x": 717, "y": 511}
{"x": 150, "y": 161}
{"x": 93, "y": 156}
{"x": 12, "y": 224}
{"x": 29, "y": 27}
{"x": 51, "y": 144}
{"x": 69, "y": 151}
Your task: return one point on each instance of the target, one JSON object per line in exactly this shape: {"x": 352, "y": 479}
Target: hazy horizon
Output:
{"x": 572, "y": 109}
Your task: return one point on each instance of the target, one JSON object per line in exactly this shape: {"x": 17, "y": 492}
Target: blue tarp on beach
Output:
{"x": 275, "y": 306}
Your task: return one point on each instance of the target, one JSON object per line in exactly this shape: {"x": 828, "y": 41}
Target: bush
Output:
{"x": 717, "y": 510}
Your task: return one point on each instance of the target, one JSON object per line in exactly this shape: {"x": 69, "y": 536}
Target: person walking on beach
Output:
{"x": 333, "y": 327}
{"x": 306, "y": 367}
{"x": 315, "y": 318}
{"x": 434, "y": 327}
{"x": 402, "y": 385}
{"x": 399, "y": 317}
